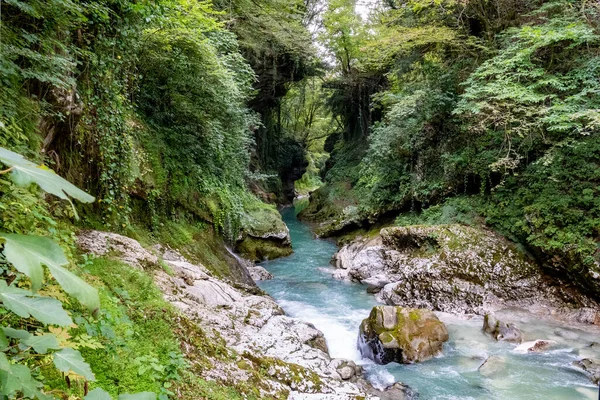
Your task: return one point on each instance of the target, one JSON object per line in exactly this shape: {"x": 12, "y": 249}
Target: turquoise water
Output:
{"x": 303, "y": 286}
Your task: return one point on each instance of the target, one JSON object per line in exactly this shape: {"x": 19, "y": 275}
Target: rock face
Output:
{"x": 127, "y": 249}
{"x": 500, "y": 330}
{"x": 264, "y": 236}
{"x": 292, "y": 352}
{"x": 457, "y": 269}
{"x": 403, "y": 335}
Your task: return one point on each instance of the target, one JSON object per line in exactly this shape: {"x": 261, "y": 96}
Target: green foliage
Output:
{"x": 24, "y": 173}
{"x": 27, "y": 255}
{"x": 139, "y": 350}
{"x": 494, "y": 100}
{"x": 192, "y": 94}
{"x": 540, "y": 88}
{"x": 20, "y": 373}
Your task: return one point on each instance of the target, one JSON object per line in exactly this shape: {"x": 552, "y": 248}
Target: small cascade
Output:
{"x": 304, "y": 287}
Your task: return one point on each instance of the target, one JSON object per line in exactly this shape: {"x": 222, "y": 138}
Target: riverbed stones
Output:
{"x": 535, "y": 346}
{"x": 403, "y": 335}
{"x": 493, "y": 366}
{"x": 501, "y": 331}
{"x": 591, "y": 367}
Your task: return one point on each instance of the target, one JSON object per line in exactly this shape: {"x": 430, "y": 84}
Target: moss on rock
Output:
{"x": 264, "y": 235}
{"x": 402, "y": 335}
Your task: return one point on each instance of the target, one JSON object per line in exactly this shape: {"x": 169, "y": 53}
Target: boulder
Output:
{"x": 591, "y": 368}
{"x": 456, "y": 269}
{"x": 403, "y": 335}
{"x": 258, "y": 273}
{"x": 264, "y": 236}
{"x": 501, "y": 331}
{"x": 347, "y": 369}
{"x": 111, "y": 244}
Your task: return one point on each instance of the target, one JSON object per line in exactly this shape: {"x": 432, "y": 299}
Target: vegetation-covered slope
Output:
{"x": 497, "y": 101}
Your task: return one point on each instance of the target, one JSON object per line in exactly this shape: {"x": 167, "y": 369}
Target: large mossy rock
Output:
{"x": 264, "y": 235}
{"x": 403, "y": 335}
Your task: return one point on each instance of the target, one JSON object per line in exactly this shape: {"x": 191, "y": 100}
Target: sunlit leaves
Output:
{"x": 25, "y": 172}
{"x": 45, "y": 309}
{"x": 29, "y": 253}
{"x": 70, "y": 361}
{"x": 42, "y": 343}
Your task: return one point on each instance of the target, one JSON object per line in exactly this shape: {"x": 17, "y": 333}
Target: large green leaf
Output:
{"x": 41, "y": 344}
{"x": 17, "y": 378}
{"x": 69, "y": 360}
{"x": 29, "y": 253}
{"x": 16, "y": 333}
{"x": 25, "y": 172}
{"x": 138, "y": 396}
{"x": 98, "y": 394}
{"x": 4, "y": 363}
{"x": 45, "y": 309}
{"x": 3, "y": 340}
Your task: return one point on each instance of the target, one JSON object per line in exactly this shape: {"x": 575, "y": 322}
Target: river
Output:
{"x": 304, "y": 287}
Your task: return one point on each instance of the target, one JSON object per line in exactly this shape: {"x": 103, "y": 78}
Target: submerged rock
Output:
{"x": 536, "y": 346}
{"x": 456, "y": 269}
{"x": 493, "y": 366}
{"x": 403, "y": 335}
{"x": 501, "y": 331}
{"x": 591, "y": 368}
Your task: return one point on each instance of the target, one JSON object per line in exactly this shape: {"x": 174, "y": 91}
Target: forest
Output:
{"x": 187, "y": 125}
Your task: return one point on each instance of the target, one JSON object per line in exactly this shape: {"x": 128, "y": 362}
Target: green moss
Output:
{"x": 414, "y": 315}
{"x": 262, "y": 249}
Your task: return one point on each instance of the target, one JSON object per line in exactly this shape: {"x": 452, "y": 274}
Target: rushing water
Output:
{"x": 303, "y": 286}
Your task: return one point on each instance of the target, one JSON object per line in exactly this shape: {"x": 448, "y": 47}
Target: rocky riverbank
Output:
{"x": 457, "y": 269}
{"x": 291, "y": 354}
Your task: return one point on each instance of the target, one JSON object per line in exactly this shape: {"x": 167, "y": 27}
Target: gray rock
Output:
{"x": 591, "y": 368}
{"x": 501, "y": 331}
{"x": 456, "y": 269}
{"x": 347, "y": 369}
{"x": 258, "y": 273}
{"x": 121, "y": 247}
{"x": 376, "y": 283}
{"x": 493, "y": 366}
{"x": 536, "y": 346}
{"x": 403, "y": 335}
{"x": 252, "y": 325}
